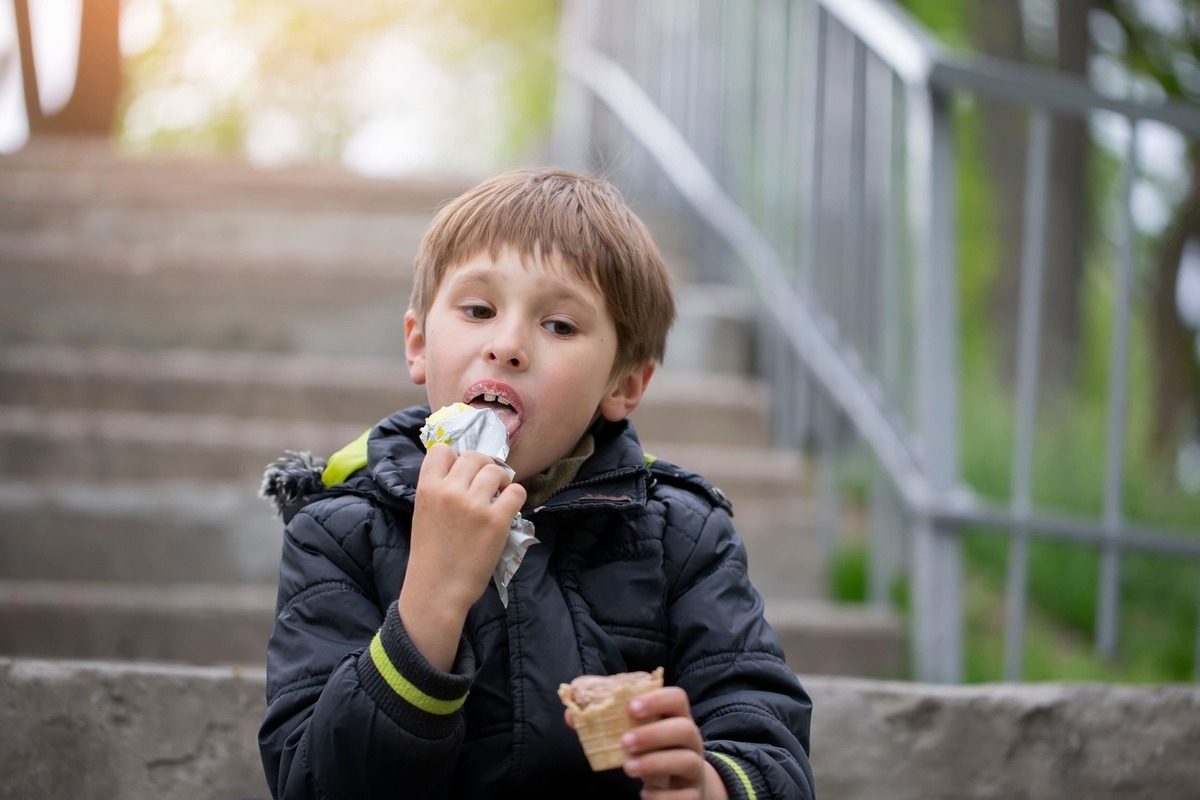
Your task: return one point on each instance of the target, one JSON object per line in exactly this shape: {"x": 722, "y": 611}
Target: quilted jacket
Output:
{"x": 637, "y": 565}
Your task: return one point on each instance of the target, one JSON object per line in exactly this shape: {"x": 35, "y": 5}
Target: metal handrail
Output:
{"x": 687, "y": 172}
{"x": 918, "y": 456}
{"x": 918, "y": 59}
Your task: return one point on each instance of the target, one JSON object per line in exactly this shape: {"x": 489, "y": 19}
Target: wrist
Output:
{"x": 434, "y": 625}
{"x": 714, "y": 786}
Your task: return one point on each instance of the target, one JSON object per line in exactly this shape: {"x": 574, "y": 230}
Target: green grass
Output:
{"x": 1156, "y": 643}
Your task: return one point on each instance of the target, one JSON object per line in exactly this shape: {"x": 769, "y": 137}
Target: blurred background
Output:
{"x": 389, "y": 88}
{"x": 939, "y": 263}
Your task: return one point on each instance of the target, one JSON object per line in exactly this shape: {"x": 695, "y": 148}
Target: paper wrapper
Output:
{"x": 601, "y": 725}
{"x": 465, "y": 429}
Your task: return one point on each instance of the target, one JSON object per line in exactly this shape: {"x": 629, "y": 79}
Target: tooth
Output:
{"x": 489, "y": 398}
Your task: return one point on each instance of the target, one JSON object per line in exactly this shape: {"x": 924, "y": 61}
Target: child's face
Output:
{"x": 532, "y": 341}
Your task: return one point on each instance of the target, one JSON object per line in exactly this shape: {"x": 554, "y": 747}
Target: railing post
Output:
{"x": 1037, "y": 179}
{"x": 1108, "y": 603}
{"x": 935, "y": 556}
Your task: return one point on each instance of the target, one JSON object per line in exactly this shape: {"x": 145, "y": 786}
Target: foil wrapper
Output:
{"x": 465, "y": 429}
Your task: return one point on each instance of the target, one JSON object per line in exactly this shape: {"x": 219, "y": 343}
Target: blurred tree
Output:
{"x": 1165, "y": 50}
{"x": 997, "y": 29}
{"x": 93, "y": 103}
{"x": 211, "y": 77}
{"x": 308, "y": 79}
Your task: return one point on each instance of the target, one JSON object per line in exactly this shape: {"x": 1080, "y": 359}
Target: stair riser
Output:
{"x": 31, "y": 456}
{"x": 875, "y": 652}
{"x": 226, "y": 635}
{"x": 250, "y": 398}
{"x": 196, "y": 636}
{"x": 351, "y": 314}
{"x": 693, "y": 421}
{"x": 183, "y": 534}
{"x": 226, "y": 535}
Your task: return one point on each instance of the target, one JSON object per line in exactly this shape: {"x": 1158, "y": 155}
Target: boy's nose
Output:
{"x": 506, "y": 347}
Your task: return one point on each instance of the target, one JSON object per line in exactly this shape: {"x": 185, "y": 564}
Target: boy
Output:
{"x": 396, "y": 671}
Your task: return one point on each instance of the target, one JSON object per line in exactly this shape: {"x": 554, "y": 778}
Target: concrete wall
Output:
{"x": 95, "y": 730}
{"x": 98, "y": 731}
{"x": 875, "y": 739}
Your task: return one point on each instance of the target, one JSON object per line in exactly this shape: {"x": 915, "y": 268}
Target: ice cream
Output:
{"x": 464, "y": 429}
{"x": 600, "y": 707}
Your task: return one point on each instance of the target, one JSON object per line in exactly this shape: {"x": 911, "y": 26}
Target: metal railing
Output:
{"x": 813, "y": 143}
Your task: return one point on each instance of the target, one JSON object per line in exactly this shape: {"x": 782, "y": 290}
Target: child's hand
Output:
{"x": 668, "y": 753}
{"x": 458, "y": 533}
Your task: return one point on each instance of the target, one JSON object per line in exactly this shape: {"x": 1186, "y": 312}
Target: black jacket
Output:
{"x": 637, "y": 566}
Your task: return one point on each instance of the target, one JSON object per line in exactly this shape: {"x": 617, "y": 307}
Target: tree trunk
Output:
{"x": 1068, "y": 208}
{"x": 93, "y": 102}
{"x": 998, "y": 32}
{"x": 1176, "y": 371}
{"x": 996, "y": 28}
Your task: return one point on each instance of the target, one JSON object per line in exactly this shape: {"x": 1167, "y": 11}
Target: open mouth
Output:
{"x": 506, "y": 408}
{"x": 492, "y": 401}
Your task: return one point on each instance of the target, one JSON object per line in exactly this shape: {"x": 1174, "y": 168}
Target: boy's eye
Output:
{"x": 478, "y": 312}
{"x": 559, "y": 327}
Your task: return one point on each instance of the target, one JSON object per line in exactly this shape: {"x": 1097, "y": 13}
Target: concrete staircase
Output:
{"x": 167, "y": 329}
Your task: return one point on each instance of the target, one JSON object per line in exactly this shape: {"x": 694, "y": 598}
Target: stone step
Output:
{"x": 58, "y": 174}
{"x": 167, "y": 532}
{"x": 98, "y": 249}
{"x": 824, "y": 638}
{"x": 220, "y": 624}
{"x": 50, "y": 179}
{"x": 280, "y": 241}
{"x": 115, "y": 446}
{"x": 156, "y": 532}
{"x": 716, "y": 409}
{"x": 341, "y": 298}
{"x": 103, "y": 298}
{"x": 200, "y": 624}
{"x": 149, "y": 731}
{"x": 97, "y": 731}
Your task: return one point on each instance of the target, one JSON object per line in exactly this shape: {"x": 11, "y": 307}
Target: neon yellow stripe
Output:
{"x": 741, "y": 773}
{"x": 344, "y": 462}
{"x": 402, "y": 687}
{"x": 649, "y": 459}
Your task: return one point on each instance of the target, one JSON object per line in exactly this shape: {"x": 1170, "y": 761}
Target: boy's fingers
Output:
{"x": 667, "y": 769}
{"x": 438, "y": 461}
{"x": 511, "y": 499}
{"x": 672, "y": 733}
{"x": 669, "y": 701}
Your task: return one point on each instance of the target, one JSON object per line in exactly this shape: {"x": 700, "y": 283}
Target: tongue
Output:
{"x": 506, "y": 413}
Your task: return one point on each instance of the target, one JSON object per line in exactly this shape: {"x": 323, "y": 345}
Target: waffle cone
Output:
{"x": 601, "y": 725}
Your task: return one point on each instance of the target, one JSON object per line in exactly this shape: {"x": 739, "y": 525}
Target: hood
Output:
{"x": 291, "y": 478}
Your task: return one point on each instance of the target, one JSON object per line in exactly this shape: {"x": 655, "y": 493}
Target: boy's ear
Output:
{"x": 626, "y": 392}
{"x": 414, "y": 347}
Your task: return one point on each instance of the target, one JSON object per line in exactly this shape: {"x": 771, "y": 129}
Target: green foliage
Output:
{"x": 298, "y": 80}
{"x": 1158, "y": 594}
{"x": 848, "y": 578}
{"x": 947, "y": 21}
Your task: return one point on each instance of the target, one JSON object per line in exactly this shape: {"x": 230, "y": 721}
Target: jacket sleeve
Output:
{"x": 750, "y": 707}
{"x": 353, "y": 709}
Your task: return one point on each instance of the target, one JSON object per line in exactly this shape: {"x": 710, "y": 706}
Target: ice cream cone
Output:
{"x": 601, "y": 723}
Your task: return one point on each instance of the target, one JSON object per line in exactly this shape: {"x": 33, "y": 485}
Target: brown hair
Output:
{"x": 540, "y": 212}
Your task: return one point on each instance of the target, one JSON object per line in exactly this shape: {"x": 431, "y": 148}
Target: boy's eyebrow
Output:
{"x": 556, "y": 288}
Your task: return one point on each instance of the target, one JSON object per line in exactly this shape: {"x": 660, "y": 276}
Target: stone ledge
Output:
{"x": 906, "y": 741}
{"x": 100, "y": 730}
